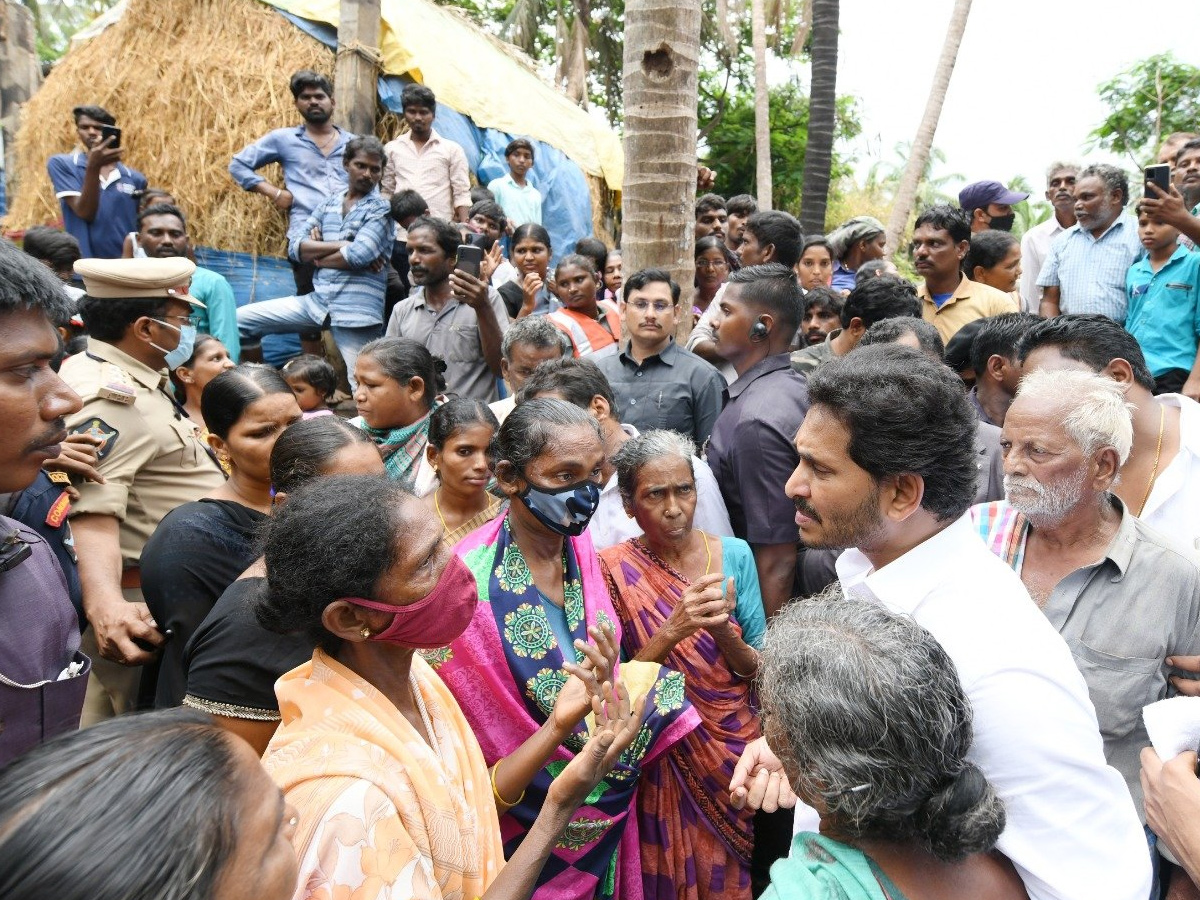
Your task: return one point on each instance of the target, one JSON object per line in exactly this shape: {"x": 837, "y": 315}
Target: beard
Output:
{"x": 858, "y": 528}
{"x": 316, "y": 116}
{"x": 1046, "y": 504}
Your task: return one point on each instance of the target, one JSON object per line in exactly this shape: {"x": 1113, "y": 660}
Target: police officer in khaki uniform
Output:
{"x": 137, "y": 313}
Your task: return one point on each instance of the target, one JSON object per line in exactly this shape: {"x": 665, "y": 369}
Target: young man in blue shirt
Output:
{"x": 1164, "y": 307}
{"x": 310, "y": 155}
{"x": 99, "y": 195}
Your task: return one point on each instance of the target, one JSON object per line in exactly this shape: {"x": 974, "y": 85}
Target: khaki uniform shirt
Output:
{"x": 971, "y": 301}
{"x": 152, "y": 457}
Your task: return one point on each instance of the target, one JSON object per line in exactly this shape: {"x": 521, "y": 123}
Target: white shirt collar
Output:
{"x": 903, "y": 583}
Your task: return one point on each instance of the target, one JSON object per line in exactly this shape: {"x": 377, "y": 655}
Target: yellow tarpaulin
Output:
{"x": 470, "y": 74}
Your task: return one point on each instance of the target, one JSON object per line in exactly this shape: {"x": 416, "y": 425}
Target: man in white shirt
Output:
{"x": 580, "y": 382}
{"x": 896, "y": 488}
{"x": 423, "y": 160}
{"x": 1035, "y": 245}
{"x": 1160, "y": 481}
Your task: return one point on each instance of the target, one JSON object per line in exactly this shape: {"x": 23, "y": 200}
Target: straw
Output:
{"x": 190, "y": 82}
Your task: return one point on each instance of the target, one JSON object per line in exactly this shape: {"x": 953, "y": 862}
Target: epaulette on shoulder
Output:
{"x": 116, "y": 385}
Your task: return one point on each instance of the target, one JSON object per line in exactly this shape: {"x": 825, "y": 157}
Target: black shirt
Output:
{"x": 195, "y": 553}
{"x": 233, "y": 662}
{"x": 674, "y": 389}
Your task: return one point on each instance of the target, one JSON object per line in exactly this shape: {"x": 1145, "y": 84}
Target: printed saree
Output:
{"x": 383, "y": 815}
{"x": 695, "y": 845}
{"x": 822, "y": 869}
{"x": 506, "y": 671}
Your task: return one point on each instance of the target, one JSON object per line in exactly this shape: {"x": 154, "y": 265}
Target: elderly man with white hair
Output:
{"x": 1122, "y": 595}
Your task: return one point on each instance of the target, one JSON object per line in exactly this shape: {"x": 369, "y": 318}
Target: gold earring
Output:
{"x": 365, "y": 632}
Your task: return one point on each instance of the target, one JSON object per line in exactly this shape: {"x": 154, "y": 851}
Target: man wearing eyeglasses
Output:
{"x": 138, "y": 316}
{"x": 656, "y": 382}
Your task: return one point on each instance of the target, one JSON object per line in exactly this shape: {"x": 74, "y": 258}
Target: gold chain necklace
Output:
{"x": 438, "y": 509}
{"x": 1162, "y": 422}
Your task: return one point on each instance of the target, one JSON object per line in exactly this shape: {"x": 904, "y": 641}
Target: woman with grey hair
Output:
{"x": 866, "y": 712}
{"x": 542, "y": 597}
{"x": 691, "y": 601}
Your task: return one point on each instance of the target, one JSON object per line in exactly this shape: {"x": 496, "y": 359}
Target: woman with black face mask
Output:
{"x": 541, "y": 594}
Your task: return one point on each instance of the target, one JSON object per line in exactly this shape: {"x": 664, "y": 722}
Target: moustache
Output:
{"x": 1024, "y": 484}
{"x": 804, "y": 509}
{"x": 55, "y": 434}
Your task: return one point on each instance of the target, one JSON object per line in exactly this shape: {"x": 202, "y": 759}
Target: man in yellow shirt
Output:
{"x": 949, "y": 300}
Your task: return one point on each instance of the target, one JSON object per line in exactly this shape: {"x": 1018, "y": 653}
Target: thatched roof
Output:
{"x": 191, "y": 82}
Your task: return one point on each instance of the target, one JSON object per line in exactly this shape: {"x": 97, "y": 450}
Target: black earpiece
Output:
{"x": 759, "y": 331}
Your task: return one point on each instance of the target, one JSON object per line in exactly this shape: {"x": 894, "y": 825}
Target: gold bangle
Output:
{"x": 496, "y": 793}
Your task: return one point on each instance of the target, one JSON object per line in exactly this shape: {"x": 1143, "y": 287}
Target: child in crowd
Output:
{"x": 1164, "y": 307}
{"x": 522, "y": 202}
{"x": 313, "y": 381}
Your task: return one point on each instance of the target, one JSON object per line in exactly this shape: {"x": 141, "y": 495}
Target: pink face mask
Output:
{"x": 437, "y": 618}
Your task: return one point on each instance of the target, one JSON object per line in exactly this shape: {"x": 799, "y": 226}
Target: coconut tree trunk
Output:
{"x": 762, "y": 105}
{"x": 822, "y": 115}
{"x": 919, "y": 156}
{"x": 661, "y": 60}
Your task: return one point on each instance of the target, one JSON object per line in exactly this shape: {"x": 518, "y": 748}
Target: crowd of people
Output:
{"x": 859, "y": 592}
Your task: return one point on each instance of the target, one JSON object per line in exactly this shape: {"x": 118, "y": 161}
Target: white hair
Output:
{"x": 1095, "y": 412}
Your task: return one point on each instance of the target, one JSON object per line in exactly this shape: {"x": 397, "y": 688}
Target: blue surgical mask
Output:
{"x": 183, "y": 350}
{"x": 566, "y": 511}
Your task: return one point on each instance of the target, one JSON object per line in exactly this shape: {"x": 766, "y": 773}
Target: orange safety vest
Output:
{"x": 589, "y": 337}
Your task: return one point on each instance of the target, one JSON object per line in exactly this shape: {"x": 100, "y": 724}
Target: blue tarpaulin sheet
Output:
{"x": 256, "y": 278}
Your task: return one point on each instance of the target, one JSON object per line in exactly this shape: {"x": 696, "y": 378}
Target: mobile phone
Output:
{"x": 111, "y": 131}
{"x": 1159, "y": 175}
{"x": 469, "y": 259}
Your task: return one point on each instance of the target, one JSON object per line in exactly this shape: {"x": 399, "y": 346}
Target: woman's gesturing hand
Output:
{"x": 617, "y": 723}
{"x": 585, "y": 679}
{"x": 704, "y": 604}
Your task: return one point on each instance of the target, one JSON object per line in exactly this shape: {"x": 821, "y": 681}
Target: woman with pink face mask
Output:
{"x": 389, "y": 784}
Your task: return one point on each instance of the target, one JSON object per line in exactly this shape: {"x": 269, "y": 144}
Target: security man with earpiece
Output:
{"x": 752, "y": 451}
{"x": 138, "y": 317}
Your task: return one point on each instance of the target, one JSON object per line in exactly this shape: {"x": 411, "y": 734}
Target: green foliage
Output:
{"x": 730, "y": 144}
{"x": 1030, "y": 212}
{"x": 1147, "y": 102}
{"x": 55, "y": 21}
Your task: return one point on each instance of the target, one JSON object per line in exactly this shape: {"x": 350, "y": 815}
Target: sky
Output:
{"x": 1023, "y": 92}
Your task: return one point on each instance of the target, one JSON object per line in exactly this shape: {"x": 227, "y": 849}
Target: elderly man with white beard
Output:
{"x": 1123, "y": 596}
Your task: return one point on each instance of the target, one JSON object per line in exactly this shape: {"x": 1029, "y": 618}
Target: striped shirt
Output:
{"x": 353, "y": 297}
{"x": 1089, "y": 271}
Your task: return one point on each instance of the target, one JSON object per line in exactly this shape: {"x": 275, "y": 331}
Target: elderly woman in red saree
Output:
{"x": 540, "y": 590}
{"x": 691, "y": 601}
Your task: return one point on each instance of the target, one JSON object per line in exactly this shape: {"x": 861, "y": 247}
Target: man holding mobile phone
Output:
{"x": 452, "y": 310}
{"x": 98, "y": 193}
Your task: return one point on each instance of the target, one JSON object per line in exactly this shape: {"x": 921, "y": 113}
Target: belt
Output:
{"x": 131, "y": 578}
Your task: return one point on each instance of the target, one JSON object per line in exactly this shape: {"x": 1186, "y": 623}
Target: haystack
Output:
{"x": 191, "y": 82}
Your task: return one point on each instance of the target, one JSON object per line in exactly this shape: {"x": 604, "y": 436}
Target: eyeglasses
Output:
{"x": 660, "y": 306}
{"x": 181, "y": 318}
{"x": 711, "y": 264}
